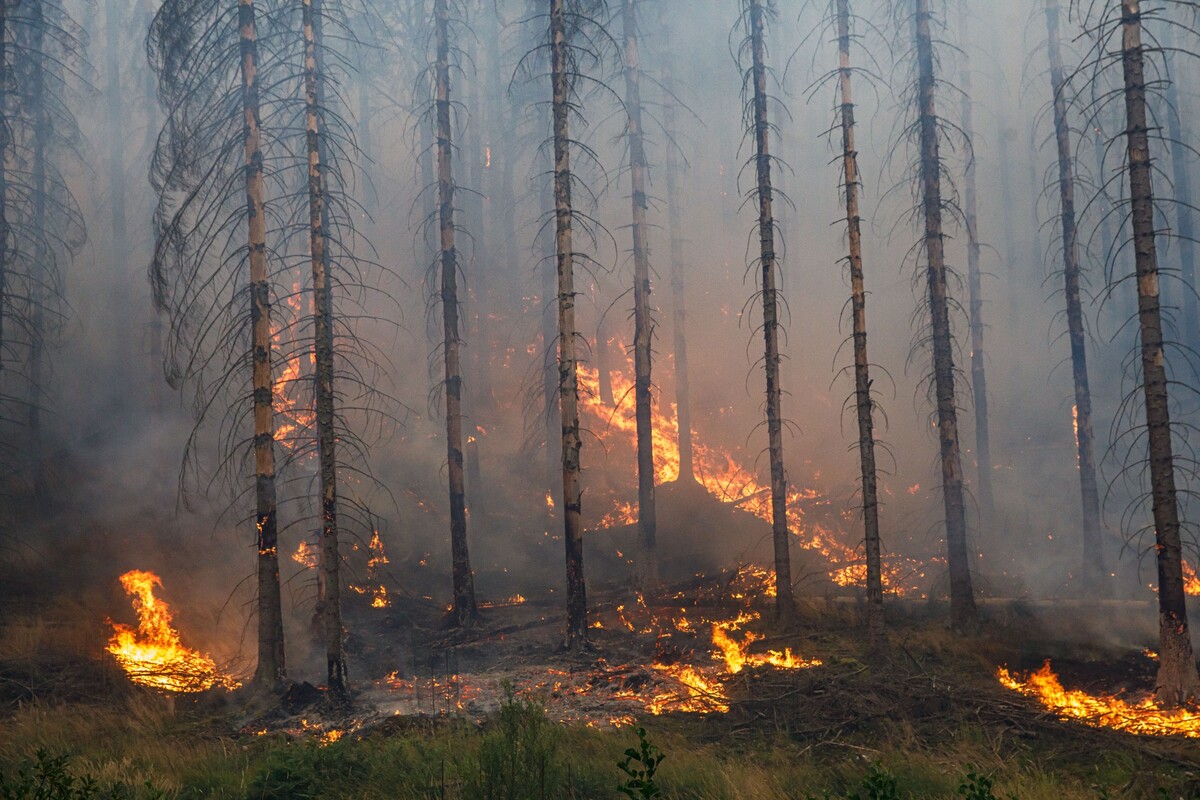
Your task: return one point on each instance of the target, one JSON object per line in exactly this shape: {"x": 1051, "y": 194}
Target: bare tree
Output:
{"x": 963, "y": 614}
{"x": 755, "y": 15}
{"x": 864, "y": 403}
{"x": 643, "y": 325}
{"x": 983, "y": 447}
{"x": 465, "y": 610}
{"x": 1093, "y": 551}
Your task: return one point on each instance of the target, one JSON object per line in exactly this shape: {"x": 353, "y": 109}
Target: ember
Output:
{"x": 151, "y": 654}
{"x": 1145, "y": 717}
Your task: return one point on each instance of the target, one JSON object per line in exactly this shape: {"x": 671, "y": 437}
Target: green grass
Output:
{"x": 146, "y": 751}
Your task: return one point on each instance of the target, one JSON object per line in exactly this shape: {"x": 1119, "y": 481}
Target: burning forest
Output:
{"x": 588, "y": 399}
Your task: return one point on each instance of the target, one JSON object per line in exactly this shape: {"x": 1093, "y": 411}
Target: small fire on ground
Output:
{"x": 699, "y": 655}
{"x": 152, "y": 654}
{"x": 1144, "y": 717}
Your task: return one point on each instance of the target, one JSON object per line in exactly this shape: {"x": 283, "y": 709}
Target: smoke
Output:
{"x": 119, "y": 431}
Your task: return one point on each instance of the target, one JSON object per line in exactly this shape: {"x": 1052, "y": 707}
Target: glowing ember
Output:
{"x": 1105, "y": 711}
{"x": 151, "y": 654}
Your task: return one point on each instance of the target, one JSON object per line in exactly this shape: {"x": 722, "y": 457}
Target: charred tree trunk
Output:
{"x": 465, "y": 610}
{"x": 568, "y": 382}
{"x": 963, "y": 614}
{"x": 643, "y": 321}
{"x": 5, "y": 229}
{"x": 863, "y": 403}
{"x": 784, "y": 603}
{"x": 314, "y": 79}
{"x": 1177, "y": 678}
{"x": 1093, "y": 548}
{"x": 983, "y": 447}
{"x": 270, "y": 673}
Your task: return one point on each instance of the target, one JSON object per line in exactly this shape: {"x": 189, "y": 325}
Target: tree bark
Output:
{"x": 963, "y": 614}
{"x": 643, "y": 321}
{"x": 314, "y": 79}
{"x": 5, "y": 144}
{"x": 1177, "y": 677}
{"x": 784, "y": 603}
{"x": 568, "y": 383}
{"x": 1093, "y": 546}
{"x": 983, "y": 447}
{"x": 683, "y": 398}
{"x": 465, "y": 610}
{"x": 863, "y": 402}
{"x": 270, "y": 672}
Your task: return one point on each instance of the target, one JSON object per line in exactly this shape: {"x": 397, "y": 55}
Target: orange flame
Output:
{"x": 737, "y": 655}
{"x": 151, "y": 654}
{"x": 1145, "y": 718}
{"x": 723, "y": 477}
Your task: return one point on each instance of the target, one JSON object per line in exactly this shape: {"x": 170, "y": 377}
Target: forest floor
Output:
{"x": 929, "y": 720}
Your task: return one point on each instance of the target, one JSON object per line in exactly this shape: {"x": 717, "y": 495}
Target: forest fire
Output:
{"x": 1144, "y": 717}
{"x": 152, "y": 654}
{"x": 721, "y": 475}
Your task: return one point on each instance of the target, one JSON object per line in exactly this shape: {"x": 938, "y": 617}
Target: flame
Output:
{"x": 306, "y": 555}
{"x": 1191, "y": 583}
{"x": 292, "y": 417}
{"x": 151, "y": 654}
{"x": 737, "y": 655}
{"x": 1145, "y": 718}
{"x": 723, "y": 477}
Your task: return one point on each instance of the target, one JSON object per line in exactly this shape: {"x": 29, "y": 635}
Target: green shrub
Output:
{"x": 639, "y": 767}
{"x": 519, "y": 755}
{"x": 48, "y": 778}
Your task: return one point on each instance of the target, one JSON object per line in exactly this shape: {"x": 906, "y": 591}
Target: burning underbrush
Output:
{"x": 1130, "y": 708}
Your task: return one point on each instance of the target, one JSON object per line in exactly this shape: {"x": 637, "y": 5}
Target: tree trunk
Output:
{"x": 683, "y": 400}
{"x": 643, "y": 322}
{"x": 5, "y": 228}
{"x": 314, "y": 80}
{"x": 604, "y": 362}
{"x": 983, "y": 447}
{"x": 1010, "y": 246}
{"x": 465, "y": 610}
{"x": 119, "y": 247}
{"x": 270, "y": 673}
{"x": 963, "y": 614}
{"x": 1093, "y": 546}
{"x": 37, "y": 293}
{"x": 1181, "y": 156}
{"x": 863, "y": 403}
{"x": 1177, "y": 678}
{"x": 568, "y": 385}
{"x": 479, "y": 299}
{"x": 784, "y": 604}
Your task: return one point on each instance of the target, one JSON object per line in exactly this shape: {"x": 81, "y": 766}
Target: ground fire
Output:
{"x": 599, "y": 399}
{"x": 152, "y": 653}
